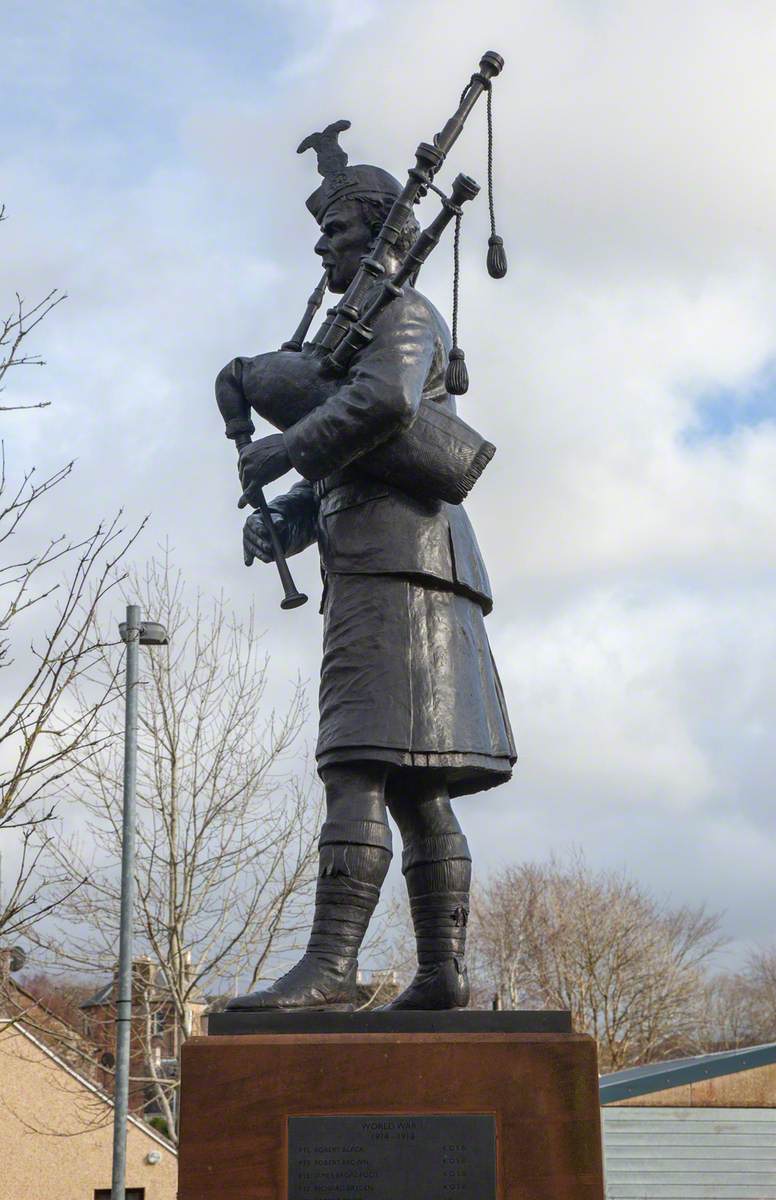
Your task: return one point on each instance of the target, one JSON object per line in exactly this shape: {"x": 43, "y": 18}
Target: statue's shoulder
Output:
{"x": 430, "y": 312}
{"x": 412, "y": 307}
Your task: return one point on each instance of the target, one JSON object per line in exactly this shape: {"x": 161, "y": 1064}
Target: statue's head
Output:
{"x": 349, "y": 228}
{"x": 350, "y": 207}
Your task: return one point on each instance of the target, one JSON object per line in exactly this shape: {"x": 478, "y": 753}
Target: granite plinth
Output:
{"x": 442, "y": 1111}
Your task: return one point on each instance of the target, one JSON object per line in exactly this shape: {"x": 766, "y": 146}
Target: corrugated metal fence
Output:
{"x": 690, "y": 1153}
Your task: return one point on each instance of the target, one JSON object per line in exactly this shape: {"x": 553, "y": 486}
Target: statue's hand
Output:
{"x": 260, "y": 463}
{"x": 256, "y": 539}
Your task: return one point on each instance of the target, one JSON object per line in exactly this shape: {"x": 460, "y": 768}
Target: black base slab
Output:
{"x": 455, "y": 1021}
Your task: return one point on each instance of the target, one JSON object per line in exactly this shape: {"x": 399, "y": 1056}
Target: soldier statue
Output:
{"x": 412, "y": 713}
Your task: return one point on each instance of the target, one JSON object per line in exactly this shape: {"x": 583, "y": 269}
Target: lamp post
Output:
{"x": 134, "y": 633}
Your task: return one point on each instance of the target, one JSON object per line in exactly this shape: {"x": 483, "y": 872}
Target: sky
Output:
{"x": 625, "y": 368}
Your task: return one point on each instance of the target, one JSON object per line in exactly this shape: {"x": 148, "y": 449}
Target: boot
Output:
{"x": 438, "y": 874}
{"x": 349, "y": 881}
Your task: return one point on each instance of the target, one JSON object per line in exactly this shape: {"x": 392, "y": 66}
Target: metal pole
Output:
{"x": 124, "y": 1001}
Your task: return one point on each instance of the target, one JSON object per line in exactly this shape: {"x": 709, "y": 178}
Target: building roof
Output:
{"x": 17, "y": 1003}
{"x": 18, "y": 1027}
{"x": 100, "y": 997}
{"x": 658, "y": 1077}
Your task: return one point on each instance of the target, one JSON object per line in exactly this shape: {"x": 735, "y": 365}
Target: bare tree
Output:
{"x": 760, "y": 976}
{"x": 226, "y": 825}
{"x": 740, "y": 1006}
{"x": 503, "y": 922}
{"x": 729, "y": 1018}
{"x": 48, "y": 600}
{"x": 629, "y": 967}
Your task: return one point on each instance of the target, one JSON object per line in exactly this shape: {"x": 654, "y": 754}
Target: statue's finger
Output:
{"x": 256, "y": 539}
{"x": 263, "y": 552}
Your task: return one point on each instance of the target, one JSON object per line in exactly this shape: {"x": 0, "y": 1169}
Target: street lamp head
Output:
{"x": 151, "y": 633}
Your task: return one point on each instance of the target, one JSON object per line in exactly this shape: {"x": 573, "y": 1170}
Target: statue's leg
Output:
{"x": 354, "y": 856}
{"x": 437, "y": 866}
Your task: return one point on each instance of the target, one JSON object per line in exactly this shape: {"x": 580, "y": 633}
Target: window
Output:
{"x": 131, "y": 1194}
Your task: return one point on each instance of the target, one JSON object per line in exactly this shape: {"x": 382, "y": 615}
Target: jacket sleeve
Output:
{"x": 379, "y": 397}
{"x": 299, "y": 512}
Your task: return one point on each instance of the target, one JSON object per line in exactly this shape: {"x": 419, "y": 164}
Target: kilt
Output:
{"x": 408, "y": 678}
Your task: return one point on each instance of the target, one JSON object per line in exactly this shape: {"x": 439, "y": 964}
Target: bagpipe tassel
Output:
{"x": 497, "y": 255}
{"x": 456, "y": 375}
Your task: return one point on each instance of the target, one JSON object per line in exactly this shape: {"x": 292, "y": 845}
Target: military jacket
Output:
{"x": 361, "y": 525}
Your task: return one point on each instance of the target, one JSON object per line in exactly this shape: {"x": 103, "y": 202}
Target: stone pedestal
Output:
{"x": 404, "y": 1106}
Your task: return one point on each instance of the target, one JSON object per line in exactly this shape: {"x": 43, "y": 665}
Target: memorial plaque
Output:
{"x": 380, "y": 1157}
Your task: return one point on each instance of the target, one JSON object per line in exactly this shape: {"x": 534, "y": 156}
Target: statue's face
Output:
{"x": 345, "y": 239}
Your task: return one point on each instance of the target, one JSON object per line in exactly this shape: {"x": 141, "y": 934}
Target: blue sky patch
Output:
{"x": 105, "y": 90}
{"x": 722, "y": 412}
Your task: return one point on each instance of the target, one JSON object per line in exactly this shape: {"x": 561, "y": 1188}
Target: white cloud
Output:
{"x": 636, "y": 192}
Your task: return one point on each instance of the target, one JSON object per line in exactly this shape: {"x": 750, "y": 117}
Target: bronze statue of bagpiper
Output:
{"x": 412, "y": 712}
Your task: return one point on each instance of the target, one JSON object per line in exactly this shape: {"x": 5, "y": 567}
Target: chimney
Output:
{"x": 142, "y": 975}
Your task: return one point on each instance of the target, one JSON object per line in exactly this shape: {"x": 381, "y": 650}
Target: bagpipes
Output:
{"x": 439, "y": 457}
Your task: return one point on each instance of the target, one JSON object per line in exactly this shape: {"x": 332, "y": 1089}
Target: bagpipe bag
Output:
{"x": 438, "y": 457}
